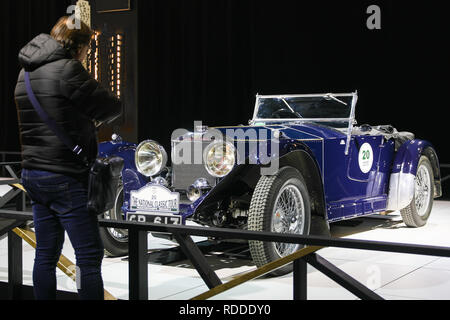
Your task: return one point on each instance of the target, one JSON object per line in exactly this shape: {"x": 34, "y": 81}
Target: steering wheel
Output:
{"x": 285, "y": 114}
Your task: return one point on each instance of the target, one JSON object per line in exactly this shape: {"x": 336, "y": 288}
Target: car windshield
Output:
{"x": 335, "y": 110}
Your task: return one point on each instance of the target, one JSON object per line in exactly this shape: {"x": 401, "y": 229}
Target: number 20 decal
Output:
{"x": 366, "y": 155}
{"x": 365, "y": 158}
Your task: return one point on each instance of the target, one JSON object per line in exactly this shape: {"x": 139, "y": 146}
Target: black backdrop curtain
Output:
{"x": 206, "y": 60}
{"x": 20, "y": 21}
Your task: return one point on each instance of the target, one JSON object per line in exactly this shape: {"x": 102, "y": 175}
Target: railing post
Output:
{"x": 15, "y": 266}
{"x": 300, "y": 279}
{"x": 138, "y": 265}
{"x": 3, "y": 167}
{"x": 341, "y": 278}
{"x": 21, "y": 202}
{"x": 193, "y": 253}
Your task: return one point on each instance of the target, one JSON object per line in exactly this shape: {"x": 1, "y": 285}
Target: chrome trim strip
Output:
{"x": 350, "y": 119}
{"x": 302, "y": 119}
{"x": 305, "y": 95}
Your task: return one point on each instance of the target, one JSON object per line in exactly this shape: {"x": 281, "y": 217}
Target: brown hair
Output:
{"x": 72, "y": 39}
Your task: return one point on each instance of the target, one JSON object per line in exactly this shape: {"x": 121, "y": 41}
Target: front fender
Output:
{"x": 268, "y": 162}
{"x": 404, "y": 169}
{"x": 124, "y": 150}
{"x": 132, "y": 179}
{"x": 245, "y": 178}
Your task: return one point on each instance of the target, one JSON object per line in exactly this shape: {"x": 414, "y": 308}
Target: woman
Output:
{"x": 54, "y": 176}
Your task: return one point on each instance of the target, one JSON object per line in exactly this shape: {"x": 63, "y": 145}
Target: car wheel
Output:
{"x": 417, "y": 213}
{"x": 280, "y": 203}
{"x": 115, "y": 241}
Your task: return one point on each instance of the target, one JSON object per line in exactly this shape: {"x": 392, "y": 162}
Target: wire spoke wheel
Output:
{"x": 418, "y": 211}
{"x": 288, "y": 217}
{"x": 280, "y": 204}
{"x": 422, "y": 190}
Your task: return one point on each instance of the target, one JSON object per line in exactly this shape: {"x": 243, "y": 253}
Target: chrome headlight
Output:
{"x": 150, "y": 158}
{"x": 220, "y": 158}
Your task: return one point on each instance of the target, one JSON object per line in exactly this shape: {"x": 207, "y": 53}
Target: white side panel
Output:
{"x": 401, "y": 190}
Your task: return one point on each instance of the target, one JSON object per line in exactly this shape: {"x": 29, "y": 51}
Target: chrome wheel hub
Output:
{"x": 288, "y": 217}
{"x": 422, "y": 190}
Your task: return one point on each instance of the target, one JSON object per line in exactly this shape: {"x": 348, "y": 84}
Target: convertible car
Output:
{"x": 300, "y": 164}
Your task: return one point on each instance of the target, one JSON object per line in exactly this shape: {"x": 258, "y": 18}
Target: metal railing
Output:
{"x": 10, "y": 178}
{"x": 446, "y": 177}
{"x": 138, "y": 255}
{"x": 14, "y": 154}
{"x": 138, "y": 260}
{"x": 9, "y": 157}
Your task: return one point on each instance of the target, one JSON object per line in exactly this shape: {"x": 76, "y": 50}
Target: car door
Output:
{"x": 363, "y": 163}
{"x": 354, "y": 184}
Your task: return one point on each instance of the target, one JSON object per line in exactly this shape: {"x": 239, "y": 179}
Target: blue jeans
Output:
{"x": 60, "y": 204}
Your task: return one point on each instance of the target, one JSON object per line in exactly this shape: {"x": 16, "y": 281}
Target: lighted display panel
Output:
{"x": 107, "y": 49}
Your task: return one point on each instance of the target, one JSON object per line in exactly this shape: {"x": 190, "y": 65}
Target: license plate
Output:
{"x": 154, "y": 218}
{"x": 155, "y": 199}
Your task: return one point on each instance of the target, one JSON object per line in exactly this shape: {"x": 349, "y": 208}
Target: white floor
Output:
{"x": 391, "y": 275}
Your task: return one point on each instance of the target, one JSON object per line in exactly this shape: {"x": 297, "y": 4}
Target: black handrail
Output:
{"x": 285, "y": 238}
{"x": 4, "y": 154}
{"x": 138, "y": 260}
{"x": 138, "y": 272}
{"x": 439, "y": 251}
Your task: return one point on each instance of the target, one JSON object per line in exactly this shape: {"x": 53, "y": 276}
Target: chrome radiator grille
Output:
{"x": 185, "y": 174}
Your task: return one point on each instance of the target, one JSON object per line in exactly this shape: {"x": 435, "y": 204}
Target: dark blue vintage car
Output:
{"x": 302, "y": 163}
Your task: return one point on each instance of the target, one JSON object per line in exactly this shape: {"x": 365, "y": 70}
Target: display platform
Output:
{"x": 392, "y": 275}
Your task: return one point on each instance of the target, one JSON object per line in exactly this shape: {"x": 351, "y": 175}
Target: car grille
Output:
{"x": 185, "y": 174}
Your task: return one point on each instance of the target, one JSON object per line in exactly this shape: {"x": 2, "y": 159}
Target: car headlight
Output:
{"x": 220, "y": 158}
{"x": 150, "y": 158}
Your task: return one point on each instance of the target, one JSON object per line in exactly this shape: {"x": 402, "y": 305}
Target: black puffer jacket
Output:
{"x": 70, "y": 96}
